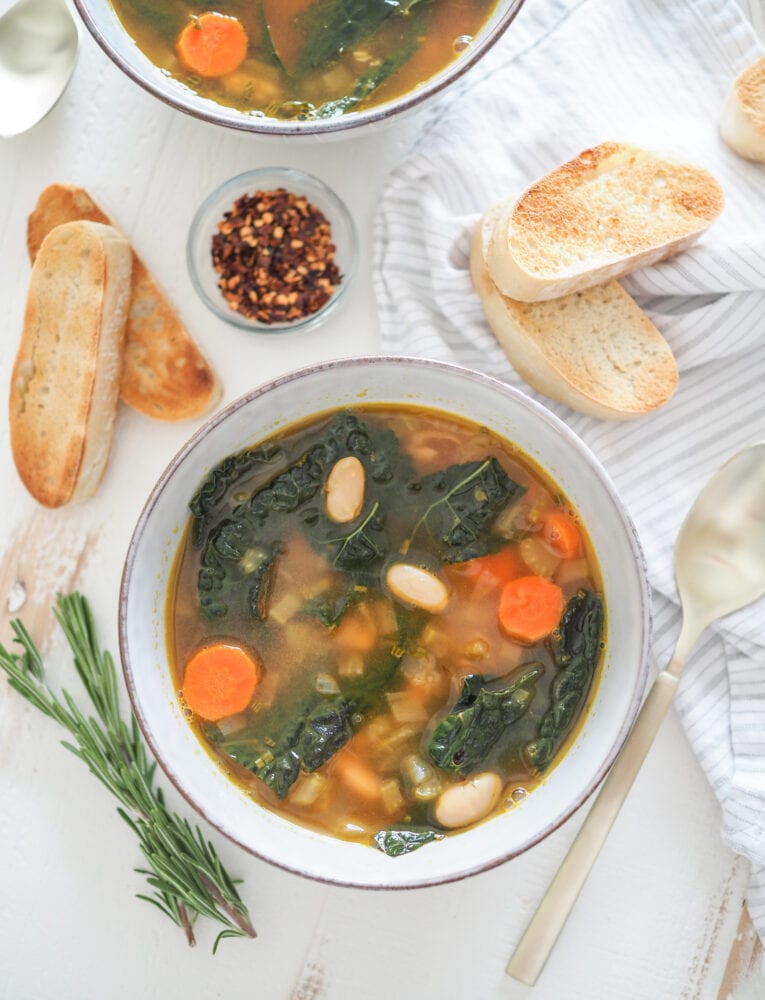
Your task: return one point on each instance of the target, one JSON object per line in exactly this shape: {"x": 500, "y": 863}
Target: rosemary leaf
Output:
{"x": 184, "y": 870}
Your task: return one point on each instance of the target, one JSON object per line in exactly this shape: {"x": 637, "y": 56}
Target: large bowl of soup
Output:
{"x": 384, "y": 622}
{"x": 288, "y": 67}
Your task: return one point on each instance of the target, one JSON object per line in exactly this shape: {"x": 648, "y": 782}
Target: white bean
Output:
{"x": 415, "y": 585}
{"x": 468, "y": 801}
{"x": 345, "y": 490}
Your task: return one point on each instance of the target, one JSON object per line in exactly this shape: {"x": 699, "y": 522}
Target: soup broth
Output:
{"x": 423, "y": 611}
{"x": 303, "y": 59}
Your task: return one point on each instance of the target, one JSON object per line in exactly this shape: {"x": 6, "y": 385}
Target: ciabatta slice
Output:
{"x": 166, "y": 375}
{"x": 742, "y": 121}
{"x": 612, "y": 209}
{"x": 66, "y": 379}
{"x": 594, "y": 350}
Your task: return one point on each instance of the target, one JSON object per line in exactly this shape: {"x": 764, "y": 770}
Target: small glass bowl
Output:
{"x": 204, "y": 277}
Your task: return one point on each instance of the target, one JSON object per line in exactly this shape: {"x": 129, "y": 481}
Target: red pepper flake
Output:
{"x": 275, "y": 257}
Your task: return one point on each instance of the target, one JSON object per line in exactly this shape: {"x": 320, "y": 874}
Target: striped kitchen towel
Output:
{"x": 570, "y": 74}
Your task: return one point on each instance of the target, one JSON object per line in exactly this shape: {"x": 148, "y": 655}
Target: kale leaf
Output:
{"x": 362, "y": 544}
{"x": 208, "y": 499}
{"x": 576, "y": 650}
{"x": 330, "y": 608}
{"x": 366, "y": 84}
{"x": 317, "y": 731}
{"x": 398, "y": 840}
{"x": 461, "y": 504}
{"x": 480, "y": 718}
{"x": 305, "y": 732}
{"x": 331, "y": 27}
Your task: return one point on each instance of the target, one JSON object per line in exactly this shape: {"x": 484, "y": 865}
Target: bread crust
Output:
{"x": 166, "y": 376}
{"x": 552, "y": 348}
{"x": 66, "y": 377}
{"x": 742, "y": 119}
{"x": 608, "y": 211}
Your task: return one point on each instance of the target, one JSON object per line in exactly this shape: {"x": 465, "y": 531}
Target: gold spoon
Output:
{"x": 719, "y": 568}
{"x": 38, "y": 50}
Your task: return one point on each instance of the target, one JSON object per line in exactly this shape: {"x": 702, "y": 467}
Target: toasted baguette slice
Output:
{"x": 742, "y": 120}
{"x": 609, "y": 211}
{"x": 166, "y": 376}
{"x": 66, "y": 379}
{"x": 594, "y": 350}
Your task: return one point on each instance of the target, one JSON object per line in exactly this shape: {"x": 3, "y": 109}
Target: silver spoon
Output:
{"x": 719, "y": 568}
{"x": 38, "y": 50}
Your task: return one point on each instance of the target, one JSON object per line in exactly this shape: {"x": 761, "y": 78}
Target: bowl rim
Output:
{"x": 274, "y": 126}
{"x": 291, "y": 178}
{"x": 541, "y": 412}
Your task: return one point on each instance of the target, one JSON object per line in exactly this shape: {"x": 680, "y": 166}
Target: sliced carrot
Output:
{"x": 530, "y": 607}
{"x": 219, "y": 681}
{"x": 212, "y": 44}
{"x": 561, "y": 534}
{"x": 497, "y": 567}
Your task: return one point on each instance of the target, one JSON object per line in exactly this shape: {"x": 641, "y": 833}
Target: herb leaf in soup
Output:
{"x": 311, "y": 734}
{"x": 480, "y": 718}
{"x": 366, "y": 84}
{"x": 461, "y": 504}
{"x": 331, "y": 27}
{"x": 396, "y": 841}
{"x": 225, "y": 557}
{"x": 576, "y": 651}
{"x": 364, "y": 544}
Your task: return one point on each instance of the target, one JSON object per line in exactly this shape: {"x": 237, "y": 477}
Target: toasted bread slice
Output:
{"x": 594, "y": 350}
{"x": 166, "y": 376}
{"x": 66, "y": 378}
{"x": 610, "y": 210}
{"x": 742, "y": 120}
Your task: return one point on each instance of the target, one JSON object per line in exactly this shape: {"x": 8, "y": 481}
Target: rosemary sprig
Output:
{"x": 183, "y": 869}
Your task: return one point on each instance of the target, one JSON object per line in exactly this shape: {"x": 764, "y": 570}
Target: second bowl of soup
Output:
{"x": 296, "y": 66}
{"x": 398, "y": 622}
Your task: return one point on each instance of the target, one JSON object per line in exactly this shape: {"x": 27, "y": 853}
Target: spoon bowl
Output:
{"x": 719, "y": 568}
{"x": 38, "y": 51}
{"x": 720, "y": 552}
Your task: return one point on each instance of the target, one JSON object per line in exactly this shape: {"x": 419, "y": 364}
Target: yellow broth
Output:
{"x": 384, "y": 774}
{"x": 401, "y": 52}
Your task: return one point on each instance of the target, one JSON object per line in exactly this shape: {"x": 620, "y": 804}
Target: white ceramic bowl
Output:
{"x": 413, "y": 382}
{"x": 101, "y": 20}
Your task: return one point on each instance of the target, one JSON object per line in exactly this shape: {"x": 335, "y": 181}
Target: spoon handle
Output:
{"x": 536, "y": 944}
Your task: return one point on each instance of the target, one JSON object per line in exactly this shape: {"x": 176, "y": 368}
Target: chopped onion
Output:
{"x": 404, "y": 708}
{"x": 416, "y": 770}
{"x": 326, "y": 684}
{"x": 307, "y": 789}
{"x": 572, "y": 573}
{"x": 539, "y": 558}
{"x": 428, "y": 790}
{"x": 379, "y": 728}
{"x": 285, "y": 609}
{"x": 386, "y": 617}
{"x": 392, "y": 799}
{"x": 233, "y": 723}
{"x": 351, "y": 666}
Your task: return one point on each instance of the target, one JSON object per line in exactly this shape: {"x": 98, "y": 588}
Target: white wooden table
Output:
{"x": 659, "y": 914}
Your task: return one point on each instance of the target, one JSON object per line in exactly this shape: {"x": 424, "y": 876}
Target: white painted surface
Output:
{"x": 659, "y": 912}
